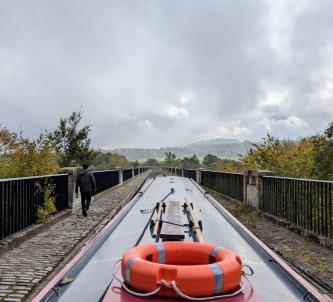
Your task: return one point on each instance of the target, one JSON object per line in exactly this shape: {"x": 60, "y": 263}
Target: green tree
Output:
{"x": 109, "y": 161}
{"x": 209, "y": 159}
{"x": 102, "y": 161}
{"x": 215, "y": 163}
{"x": 20, "y": 156}
{"x": 135, "y": 164}
{"x": 170, "y": 159}
{"x": 323, "y": 159}
{"x": 151, "y": 162}
{"x": 190, "y": 162}
{"x": 72, "y": 141}
{"x": 120, "y": 161}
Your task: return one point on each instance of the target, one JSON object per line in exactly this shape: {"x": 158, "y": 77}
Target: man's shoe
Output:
{"x": 84, "y": 212}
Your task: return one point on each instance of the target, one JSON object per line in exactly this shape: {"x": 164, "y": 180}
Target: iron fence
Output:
{"x": 21, "y": 197}
{"x": 127, "y": 174}
{"x": 106, "y": 179}
{"x": 179, "y": 171}
{"x": 302, "y": 202}
{"x": 228, "y": 184}
{"x": 168, "y": 169}
{"x": 190, "y": 173}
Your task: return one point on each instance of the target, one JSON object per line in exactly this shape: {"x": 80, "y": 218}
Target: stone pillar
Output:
{"x": 73, "y": 202}
{"x": 253, "y": 187}
{"x": 198, "y": 176}
{"x": 120, "y": 175}
{"x": 133, "y": 172}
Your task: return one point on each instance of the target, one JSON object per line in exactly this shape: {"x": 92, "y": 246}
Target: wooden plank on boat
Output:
{"x": 174, "y": 229}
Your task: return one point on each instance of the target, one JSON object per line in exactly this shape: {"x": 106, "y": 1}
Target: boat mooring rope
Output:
{"x": 182, "y": 295}
{"x": 123, "y": 284}
{"x": 177, "y": 290}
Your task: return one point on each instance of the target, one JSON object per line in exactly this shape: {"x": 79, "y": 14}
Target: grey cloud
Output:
{"x": 127, "y": 63}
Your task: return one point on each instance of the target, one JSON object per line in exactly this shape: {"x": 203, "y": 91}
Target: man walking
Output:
{"x": 86, "y": 181}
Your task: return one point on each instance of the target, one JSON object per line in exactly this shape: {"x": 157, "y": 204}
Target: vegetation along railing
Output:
{"x": 21, "y": 197}
{"x": 228, "y": 184}
{"x": 302, "y": 202}
{"x": 106, "y": 179}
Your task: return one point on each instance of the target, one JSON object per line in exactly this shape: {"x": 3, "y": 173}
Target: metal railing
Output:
{"x": 302, "y": 202}
{"x": 106, "y": 179}
{"x": 179, "y": 171}
{"x": 127, "y": 174}
{"x": 190, "y": 173}
{"x": 21, "y": 197}
{"x": 228, "y": 184}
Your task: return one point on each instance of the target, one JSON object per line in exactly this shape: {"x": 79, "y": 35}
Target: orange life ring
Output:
{"x": 199, "y": 269}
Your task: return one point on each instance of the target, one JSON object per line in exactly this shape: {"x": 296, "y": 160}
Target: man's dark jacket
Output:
{"x": 86, "y": 181}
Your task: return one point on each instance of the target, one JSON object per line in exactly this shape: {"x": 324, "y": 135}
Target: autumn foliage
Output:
{"x": 20, "y": 156}
{"x": 309, "y": 157}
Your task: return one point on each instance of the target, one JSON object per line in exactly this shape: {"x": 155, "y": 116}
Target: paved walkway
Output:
{"x": 23, "y": 268}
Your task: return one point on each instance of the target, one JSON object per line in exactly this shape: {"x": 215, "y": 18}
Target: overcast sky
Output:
{"x": 154, "y": 73}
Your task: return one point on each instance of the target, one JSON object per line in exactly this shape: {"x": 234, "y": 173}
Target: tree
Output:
{"x": 309, "y": 157}
{"x": 120, "y": 161}
{"x": 190, "y": 163}
{"x": 151, "y": 162}
{"x": 72, "y": 142}
{"x": 20, "y": 156}
{"x": 9, "y": 141}
{"x": 170, "y": 159}
{"x": 136, "y": 163}
{"x": 323, "y": 159}
{"x": 209, "y": 159}
{"x": 215, "y": 163}
{"x": 102, "y": 161}
{"x": 329, "y": 131}
{"x": 108, "y": 161}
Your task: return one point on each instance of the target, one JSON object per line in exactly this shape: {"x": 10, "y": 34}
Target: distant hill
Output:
{"x": 224, "y": 148}
{"x": 217, "y": 141}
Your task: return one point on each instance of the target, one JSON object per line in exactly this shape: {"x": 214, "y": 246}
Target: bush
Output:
{"x": 48, "y": 208}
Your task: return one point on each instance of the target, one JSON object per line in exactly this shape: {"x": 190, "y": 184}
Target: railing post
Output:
{"x": 121, "y": 175}
{"x": 245, "y": 182}
{"x": 253, "y": 187}
{"x": 72, "y": 200}
{"x": 198, "y": 175}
